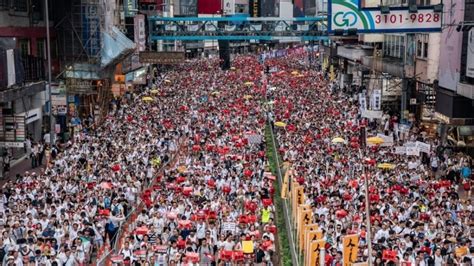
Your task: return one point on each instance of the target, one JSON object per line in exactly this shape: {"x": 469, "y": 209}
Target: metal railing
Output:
{"x": 286, "y": 207}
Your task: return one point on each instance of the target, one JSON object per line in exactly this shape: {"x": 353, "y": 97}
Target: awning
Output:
{"x": 116, "y": 46}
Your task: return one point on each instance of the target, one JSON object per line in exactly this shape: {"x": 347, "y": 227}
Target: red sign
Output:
{"x": 209, "y": 6}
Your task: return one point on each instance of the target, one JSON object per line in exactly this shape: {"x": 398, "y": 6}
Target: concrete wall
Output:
{"x": 433, "y": 56}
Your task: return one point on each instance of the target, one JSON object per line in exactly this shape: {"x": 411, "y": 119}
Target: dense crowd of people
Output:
{"x": 214, "y": 203}
{"x": 176, "y": 175}
{"x": 421, "y": 208}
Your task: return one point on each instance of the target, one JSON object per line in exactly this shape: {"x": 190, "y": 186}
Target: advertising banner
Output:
{"x": 346, "y": 14}
{"x": 470, "y": 54}
{"x": 451, "y": 41}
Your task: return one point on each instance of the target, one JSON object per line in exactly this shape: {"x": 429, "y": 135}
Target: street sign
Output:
{"x": 349, "y": 14}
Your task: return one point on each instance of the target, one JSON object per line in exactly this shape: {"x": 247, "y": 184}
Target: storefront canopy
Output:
{"x": 116, "y": 46}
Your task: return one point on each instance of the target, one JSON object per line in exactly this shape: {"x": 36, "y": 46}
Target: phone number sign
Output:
{"x": 346, "y": 14}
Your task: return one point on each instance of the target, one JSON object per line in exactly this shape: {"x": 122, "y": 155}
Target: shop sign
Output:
{"x": 12, "y": 144}
{"x": 162, "y": 58}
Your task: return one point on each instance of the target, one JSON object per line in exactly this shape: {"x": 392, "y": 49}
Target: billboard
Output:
{"x": 209, "y": 6}
{"x": 349, "y": 14}
{"x": 470, "y": 54}
{"x": 162, "y": 58}
{"x": 451, "y": 41}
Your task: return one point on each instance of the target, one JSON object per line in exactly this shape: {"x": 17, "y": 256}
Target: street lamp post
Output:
{"x": 48, "y": 44}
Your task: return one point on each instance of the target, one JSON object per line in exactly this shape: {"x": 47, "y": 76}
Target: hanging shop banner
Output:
{"x": 350, "y": 248}
{"x": 139, "y": 31}
{"x": 470, "y": 54}
{"x": 350, "y": 14}
{"x": 162, "y": 58}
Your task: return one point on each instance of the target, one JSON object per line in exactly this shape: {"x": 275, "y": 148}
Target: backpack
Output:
{"x": 110, "y": 226}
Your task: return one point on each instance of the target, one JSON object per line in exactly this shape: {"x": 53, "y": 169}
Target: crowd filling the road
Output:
{"x": 177, "y": 175}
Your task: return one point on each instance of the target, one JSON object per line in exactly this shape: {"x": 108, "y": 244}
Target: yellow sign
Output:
{"x": 313, "y": 251}
{"x": 247, "y": 247}
{"x": 350, "y": 248}
{"x": 306, "y": 231}
{"x": 284, "y": 188}
{"x": 299, "y": 211}
{"x": 332, "y": 75}
{"x": 314, "y": 235}
{"x": 305, "y": 218}
{"x": 462, "y": 251}
{"x": 300, "y": 195}
{"x": 294, "y": 202}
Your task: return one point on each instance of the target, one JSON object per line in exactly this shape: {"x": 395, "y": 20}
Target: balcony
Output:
{"x": 34, "y": 68}
{"x": 20, "y": 76}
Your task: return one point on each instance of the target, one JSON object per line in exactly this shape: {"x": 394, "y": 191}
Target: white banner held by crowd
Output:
{"x": 228, "y": 227}
{"x": 400, "y": 150}
{"x": 423, "y": 147}
{"x": 254, "y": 139}
{"x": 371, "y": 114}
{"x": 387, "y": 140}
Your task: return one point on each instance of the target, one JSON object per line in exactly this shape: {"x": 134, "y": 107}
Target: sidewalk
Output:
{"x": 19, "y": 166}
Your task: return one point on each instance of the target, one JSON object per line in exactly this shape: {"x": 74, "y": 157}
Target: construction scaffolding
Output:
{"x": 79, "y": 32}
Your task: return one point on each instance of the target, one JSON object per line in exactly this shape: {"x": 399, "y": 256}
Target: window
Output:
{"x": 394, "y": 45}
{"x": 20, "y": 5}
{"x": 422, "y": 45}
{"x": 41, "y": 48}
{"x": 3, "y": 4}
{"x": 24, "y": 45}
{"x": 419, "y": 46}
{"x": 424, "y": 2}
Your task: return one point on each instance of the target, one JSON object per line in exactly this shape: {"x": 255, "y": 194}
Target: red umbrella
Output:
{"x": 341, "y": 213}
{"x": 116, "y": 167}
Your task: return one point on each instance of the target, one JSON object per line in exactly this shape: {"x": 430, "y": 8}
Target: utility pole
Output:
{"x": 48, "y": 43}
